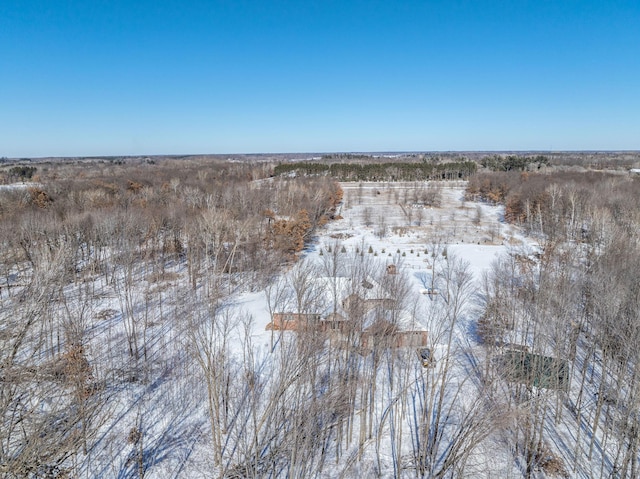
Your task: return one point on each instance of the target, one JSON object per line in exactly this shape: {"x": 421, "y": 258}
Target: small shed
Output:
{"x": 392, "y": 269}
{"x": 535, "y": 369}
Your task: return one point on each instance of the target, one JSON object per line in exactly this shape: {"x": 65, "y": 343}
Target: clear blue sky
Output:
{"x": 115, "y": 77}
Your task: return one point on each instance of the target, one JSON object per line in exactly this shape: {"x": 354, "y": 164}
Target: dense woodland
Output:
{"x": 563, "y": 206}
{"x": 395, "y": 171}
{"x": 79, "y": 233}
{"x": 578, "y": 301}
{"x": 170, "y": 242}
{"x": 167, "y": 211}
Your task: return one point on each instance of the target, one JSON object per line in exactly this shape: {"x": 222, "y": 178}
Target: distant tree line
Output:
{"x": 405, "y": 171}
{"x": 347, "y": 156}
{"x": 514, "y": 162}
{"x": 22, "y": 172}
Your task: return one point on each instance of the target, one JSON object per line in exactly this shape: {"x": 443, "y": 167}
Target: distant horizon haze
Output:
{"x": 309, "y": 155}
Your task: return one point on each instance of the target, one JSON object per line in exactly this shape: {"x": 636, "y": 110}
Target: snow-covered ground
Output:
{"x": 376, "y": 225}
{"x": 454, "y": 228}
{"x": 18, "y": 186}
{"x": 379, "y": 225}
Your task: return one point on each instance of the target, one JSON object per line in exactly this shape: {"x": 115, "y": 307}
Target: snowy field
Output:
{"x": 18, "y": 186}
{"x": 455, "y": 227}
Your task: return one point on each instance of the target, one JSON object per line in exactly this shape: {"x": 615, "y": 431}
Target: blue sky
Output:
{"x": 113, "y": 77}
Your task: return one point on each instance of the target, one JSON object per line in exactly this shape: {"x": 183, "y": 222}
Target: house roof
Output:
{"x": 369, "y": 288}
{"x": 323, "y": 303}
